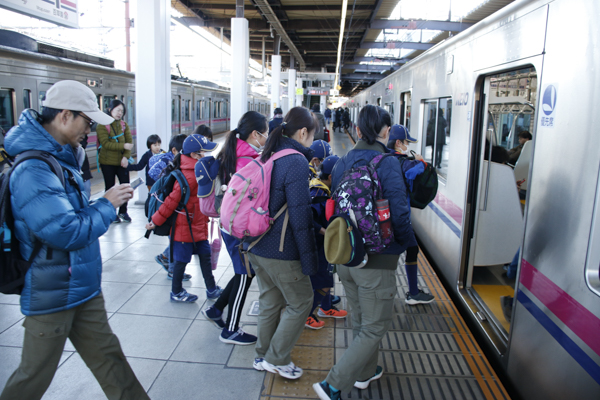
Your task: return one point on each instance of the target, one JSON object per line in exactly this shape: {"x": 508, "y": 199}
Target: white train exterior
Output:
{"x": 26, "y": 75}
{"x": 527, "y": 68}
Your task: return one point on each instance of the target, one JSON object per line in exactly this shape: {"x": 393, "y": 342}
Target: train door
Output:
{"x": 496, "y": 197}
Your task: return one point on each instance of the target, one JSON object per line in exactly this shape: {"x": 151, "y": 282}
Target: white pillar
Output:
{"x": 240, "y": 54}
{"x": 275, "y": 83}
{"x": 323, "y": 100}
{"x": 292, "y": 88}
{"x": 152, "y": 77}
{"x": 299, "y": 97}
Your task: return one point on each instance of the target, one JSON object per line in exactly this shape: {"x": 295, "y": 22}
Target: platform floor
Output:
{"x": 428, "y": 354}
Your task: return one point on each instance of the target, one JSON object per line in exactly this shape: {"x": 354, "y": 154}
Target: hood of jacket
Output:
{"x": 244, "y": 150}
{"x": 30, "y": 135}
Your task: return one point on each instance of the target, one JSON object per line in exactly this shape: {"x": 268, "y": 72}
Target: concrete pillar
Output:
{"x": 275, "y": 82}
{"x": 299, "y": 97}
{"x": 323, "y": 100}
{"x": 291, "y": 88}
{"x": 240, "y": 55}
{"x": 152, "y": 78}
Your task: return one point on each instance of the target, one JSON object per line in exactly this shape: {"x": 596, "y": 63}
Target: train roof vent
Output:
{"x": 17, "y": 40}
{"x": 49, "y": 49}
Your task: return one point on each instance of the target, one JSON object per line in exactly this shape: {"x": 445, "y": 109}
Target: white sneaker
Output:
{"x": 258, "y": 364}
{"x": 289, "y": 371}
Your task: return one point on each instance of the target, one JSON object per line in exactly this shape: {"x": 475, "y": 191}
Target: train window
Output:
{"x": 198, "y": 110}
{"x": 405, "y": 107}
{"x": 389, "y": 107}
{"x": 41, "y": 97}
{"x": 436, "y": 131}
{"x": 187, "y": 110}
{"x": 7, "y": 109}
{"x": 130, "y": 111}
{"x": 108, "y": 98}
{"x": 26, "y": 98}
{"x": 225, "y": 109}
{"x": 98, "y": 100}
{"x": 249, "y": 106}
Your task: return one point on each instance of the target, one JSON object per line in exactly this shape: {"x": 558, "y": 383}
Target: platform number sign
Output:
{"x": 549, "y": 104}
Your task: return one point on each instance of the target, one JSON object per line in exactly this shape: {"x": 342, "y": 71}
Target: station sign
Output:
{"x": 300, "y": 91}
{"x": 60, "y": 12}
{"x": 318, "y": 92}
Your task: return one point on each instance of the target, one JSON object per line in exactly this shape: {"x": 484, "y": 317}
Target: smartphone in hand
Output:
{"x": 136, "y": 183}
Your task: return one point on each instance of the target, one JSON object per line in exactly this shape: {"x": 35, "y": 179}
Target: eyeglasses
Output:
{"x": 85, "y": 117}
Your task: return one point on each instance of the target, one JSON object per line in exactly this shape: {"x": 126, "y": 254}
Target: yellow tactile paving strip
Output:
{"x": 428, "y": 353}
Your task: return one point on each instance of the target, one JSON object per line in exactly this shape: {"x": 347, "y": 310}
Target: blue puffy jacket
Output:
{"x": 394, "y": 190}
{"x": 289, "y": 183}
{"x": 67, "y": 271}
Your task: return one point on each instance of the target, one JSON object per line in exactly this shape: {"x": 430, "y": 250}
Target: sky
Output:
{"x": 102, "y": 32}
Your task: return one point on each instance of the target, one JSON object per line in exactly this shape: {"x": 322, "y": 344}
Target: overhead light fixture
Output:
{"x": 339, "y": 52}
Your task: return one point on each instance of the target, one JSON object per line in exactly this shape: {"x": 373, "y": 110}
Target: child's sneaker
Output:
{"x": 365, "y": 384}
{"x": 214, "y": 315}
{"x": 333, "y": 313}
{"x": 186, "y": 277}
{"x": 419, "y": 298}
{"x": 289, "y": 371}
{"x": 163, "y": 261}
{"x": 335, "y": 300}
{"x": 238, "y": 337}
{"x": 184, "y": 297}
{"x": 117, "y": 220}
{"x": 214, "y": 293}
{"x": 325, "y": 392}
{"x": 125, "y": 217}
{"x": 313, "y": 323}
{"x": 257, "y": 364}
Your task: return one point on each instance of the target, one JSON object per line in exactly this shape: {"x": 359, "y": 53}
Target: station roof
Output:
{"x": 309, "y": 31}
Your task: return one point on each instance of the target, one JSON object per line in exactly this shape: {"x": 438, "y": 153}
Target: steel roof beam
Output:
{"x": 362, "y": 77}
{"x": 397, "y": 45}
{"x": 310, "y": 7}
{"x": 420, "y": 24}
{"x": 381, "y": 59}
{"x": 370, "y": 68}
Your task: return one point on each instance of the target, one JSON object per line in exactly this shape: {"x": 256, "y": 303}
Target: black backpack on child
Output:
{"x": 13, "y": 267}
{"x": 425, "y": 185}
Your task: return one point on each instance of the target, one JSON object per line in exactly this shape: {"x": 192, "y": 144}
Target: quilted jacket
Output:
{"x": 67, "y": 271}
{"x": 112, "y": 150}
{"x": 289, "y": 183}
{"x": 199, "y": 220}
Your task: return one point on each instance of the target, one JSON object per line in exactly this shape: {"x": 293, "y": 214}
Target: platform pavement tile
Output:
{"x": 251, "y": 296}
{"x": 299, "y": 388}
{"x": 9, "y": 299}
{"x": 75, "y": 370}
{"x": 322, "y": 338}
{"x": 162, "y": 241}
{"x": 124, "y": 233}
{"x": 196, "y": 282}
{"x": 201, "y": 344}
{"x": 116, "y": 294}
{"x": 11, "y": 358}
{"x": 155, "y": 300}
{"x": 192, "y": 381}
{"x": 109, "y": 249}
{"x": 10, "y": 314}
{"x": 148, "y": 336}
{"x": 242, "y": 356}
{"x": 313, "y": 358}
{"x": 129, "y": 271}
{"x": 139, "y": 252}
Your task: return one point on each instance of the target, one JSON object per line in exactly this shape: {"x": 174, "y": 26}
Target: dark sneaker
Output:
{"x": 335, "y": 300}
{"x": 238, "y": 337}
{"x": 125, "y": 217}
{"x": 257, "y": 364}
{"x": 324, "y": 391}
{"x": 186, "y": 277}
{"x": 214, "y": 315}
{"x": 163, "y": 261}
{"x": 419, "y": 298}
{"x": 184, "y": 297}
{"x": 214, "y": 293}
{"x": 365, "y": 384}
{"x": 289, "y": 371}
{"x": 117, "y": 220}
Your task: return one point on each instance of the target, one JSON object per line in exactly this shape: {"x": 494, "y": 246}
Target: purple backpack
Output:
{"x": 356, "y": 195}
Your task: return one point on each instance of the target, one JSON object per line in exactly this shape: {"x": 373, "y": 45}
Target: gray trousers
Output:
{"x": 281, "y": 284}
{"x": 370, "y": 294}
{"x": 87, "y": 327}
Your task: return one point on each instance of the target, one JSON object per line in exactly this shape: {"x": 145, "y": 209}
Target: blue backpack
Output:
{"x": 158, "y": 193}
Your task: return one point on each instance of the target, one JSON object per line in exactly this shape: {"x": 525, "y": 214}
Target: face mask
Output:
{"x": 400, "y": 150}
{"x": 257, "y": 149}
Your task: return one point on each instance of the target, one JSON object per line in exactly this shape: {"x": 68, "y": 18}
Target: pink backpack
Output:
{"x": 245, "y": 207}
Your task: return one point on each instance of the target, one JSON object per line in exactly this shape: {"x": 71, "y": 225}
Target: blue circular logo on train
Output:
{"x": 549, "y": 100}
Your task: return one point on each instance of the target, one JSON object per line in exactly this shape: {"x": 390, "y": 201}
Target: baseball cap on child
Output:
{"x": 321, "y": 149}
{"x": 206, "y": 171}
{"x": 328, "y": 164}
{"x": 75, "y": 96}
{"x": 399, "y": 132}
{"x": 195, "y": 143}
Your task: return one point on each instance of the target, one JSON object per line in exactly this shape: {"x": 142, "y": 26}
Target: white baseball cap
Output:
{"x": 75, "y": 96}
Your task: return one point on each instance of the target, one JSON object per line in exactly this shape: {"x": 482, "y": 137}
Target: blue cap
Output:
{"x": 206, "y": 171}
{"x": 399, "y": 132}
{"x": 328, "y": 164}
{"x": 195, "y": 143}
{"x": 321, "y": 149}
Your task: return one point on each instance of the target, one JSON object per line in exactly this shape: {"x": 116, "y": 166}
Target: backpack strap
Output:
{"x": 42, "y": 156}
{"x": 185, "y": 196}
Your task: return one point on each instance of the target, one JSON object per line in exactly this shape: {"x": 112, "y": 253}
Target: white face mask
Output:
{"x": 400, "y": 150}
{"x": 259, "y": 148}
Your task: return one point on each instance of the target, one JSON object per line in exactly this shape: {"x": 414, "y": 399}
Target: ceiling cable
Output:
{"x": 339, "y": 52}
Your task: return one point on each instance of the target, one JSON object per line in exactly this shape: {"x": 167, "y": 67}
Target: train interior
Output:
{"x": 508, "y": 104}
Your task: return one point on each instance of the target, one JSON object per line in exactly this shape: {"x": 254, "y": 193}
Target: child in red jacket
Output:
{"x": 188, "y": 239}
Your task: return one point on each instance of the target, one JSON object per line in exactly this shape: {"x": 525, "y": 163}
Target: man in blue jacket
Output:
{"x": 62, "y": 297}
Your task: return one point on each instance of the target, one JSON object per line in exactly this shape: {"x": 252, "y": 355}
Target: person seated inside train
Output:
{"x": 515, "y": 152}
{"x": 499, "y": 154}
{"x": 399, "y": 141}
{"x": 277, "y": 119}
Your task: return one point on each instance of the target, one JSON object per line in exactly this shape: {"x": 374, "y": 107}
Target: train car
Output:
{"x": 466, "y": 100}
{"x": 28, "y": 68}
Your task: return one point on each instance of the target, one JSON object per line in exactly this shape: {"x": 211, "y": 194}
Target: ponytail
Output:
{"x": 296, "y": 119}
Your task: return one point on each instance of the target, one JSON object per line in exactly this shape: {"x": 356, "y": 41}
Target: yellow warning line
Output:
{"x": 470, "y": 349}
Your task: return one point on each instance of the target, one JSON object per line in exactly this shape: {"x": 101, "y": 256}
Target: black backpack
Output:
{"x": 425, "y": 185}
{"x": 13, "y": 267}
